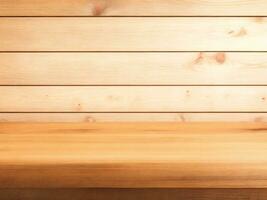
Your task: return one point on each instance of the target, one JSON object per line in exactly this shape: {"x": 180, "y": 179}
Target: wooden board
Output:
{"x": 133, "y": 99}
{"x": 216, "y": 68}
{"x": 133, "y": 117}
{"x": 133, "y": 194}
{"x": 130, "y": 155}
{"x": 133, "y": 8}
{"x": 133, "y": 34}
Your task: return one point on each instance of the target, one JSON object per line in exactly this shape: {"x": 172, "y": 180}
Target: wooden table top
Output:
{"x": 133, "y": 155}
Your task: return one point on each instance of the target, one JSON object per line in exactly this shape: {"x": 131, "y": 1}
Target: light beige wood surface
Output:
{"x": 133, "y": 68}
{"x": 74, "y": 63}
{"x": 133, "y": 34}
{"x": 133, "y": 99}
{"x": 117, "y": 155}
{"x": 133, "y": 117}
{"x": 133, "y": 8}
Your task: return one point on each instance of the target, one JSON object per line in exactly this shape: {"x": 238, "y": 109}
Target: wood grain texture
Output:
{"x": 133, "y": 34}
{"x": 131, "y": 155}
{"x": 133, "y": 99}
{"x": 133, "y": 8}
{"x": 133, "y": 194}
{"x": 133, "y": 117}
{"x": 133, "y": 68}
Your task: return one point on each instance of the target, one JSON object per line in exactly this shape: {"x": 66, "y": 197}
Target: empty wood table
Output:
{"x": 182, "y": 158}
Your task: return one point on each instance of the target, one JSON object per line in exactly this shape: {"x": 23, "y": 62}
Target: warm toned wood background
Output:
{"x": 133, "y": 194}
{"x": 130, "y": 155}
{"x": 133, "y": 8}
{"x": 133, "y": 99}
{"x": 134, "y": 34}
{"x": 135, "y": 68}
{"x": 133, "y": 60}
{"x": 148, "y": 60}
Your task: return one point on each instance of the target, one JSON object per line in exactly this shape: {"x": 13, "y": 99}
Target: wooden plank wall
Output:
{"x": 131, "y": 60}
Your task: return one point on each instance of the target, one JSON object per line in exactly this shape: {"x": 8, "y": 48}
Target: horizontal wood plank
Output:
{"x": 133, "y": 99}
{"x": 133, "y": 194}
{"x": 133, "y": 34}
{"x": 130, "y": 155}
{"x": 133, "y": 8}
{"x": 133, "y": 68}
{"x": 133, "y": 117}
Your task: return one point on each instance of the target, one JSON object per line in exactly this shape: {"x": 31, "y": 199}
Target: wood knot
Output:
{"x": 99, "y": 7}
{"x": 188, "y": 93}
{"x": 90, "y": 119}
{"x": 259, "y": 19}
{"x": 242, "y": 32}
{"x": 220, "y": 57}
{"x": 182, "y": 118}
{"x": 79, "y": 107}
{"x": 199, "y": 58}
